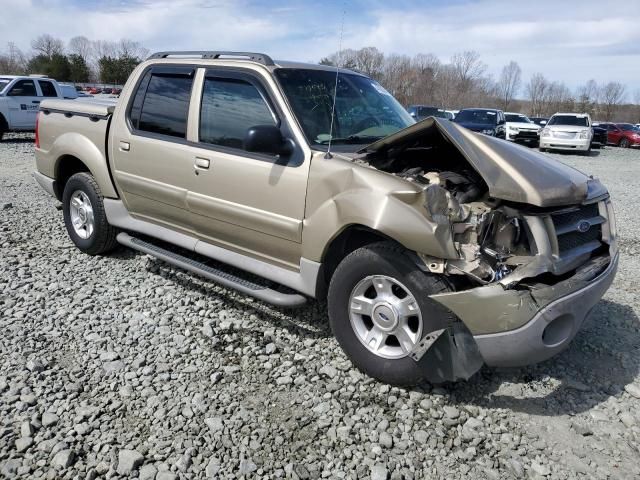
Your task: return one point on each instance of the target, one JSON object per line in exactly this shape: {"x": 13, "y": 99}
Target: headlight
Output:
{"x": 545, "y": 132}
{"x": 487, "y": 132}
{"x": 513, "y": 129}
{"x": 584, "y": 134}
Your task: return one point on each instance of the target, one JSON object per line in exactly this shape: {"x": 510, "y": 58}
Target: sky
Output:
{"x": 570, "y": 41}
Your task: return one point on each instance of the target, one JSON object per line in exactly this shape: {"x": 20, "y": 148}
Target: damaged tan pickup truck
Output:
{"x": 436, "y": 248}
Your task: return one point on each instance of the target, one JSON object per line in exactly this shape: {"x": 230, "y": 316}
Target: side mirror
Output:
{"x": 267, "y": 139}
{"x": 543, "y": 122}
{"x": 413, "y": 114}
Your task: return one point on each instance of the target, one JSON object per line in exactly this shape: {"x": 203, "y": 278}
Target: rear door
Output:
{"x": 151, "y": 164}
{"x": 23, "y": 102}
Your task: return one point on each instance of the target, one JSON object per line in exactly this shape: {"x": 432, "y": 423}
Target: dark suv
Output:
{"x": 483, "y": 120}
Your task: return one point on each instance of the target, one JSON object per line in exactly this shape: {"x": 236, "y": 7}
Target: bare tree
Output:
{"x": 536, "y": 89}
{"x": 47, "y": 45}
{"x": 427, "y": 68}
{"x": 509, "y": 83}
{"x": 127, "y": 48}
{"x": 613, "y": 94}
{"x": 14, "y": 62}
{"x": 468, "y": 69}
{"x": 587, "y": 97}
{"x": 557, "y": 98}
{"x": 82, "y": 47}
{"x": 399, "y": 78}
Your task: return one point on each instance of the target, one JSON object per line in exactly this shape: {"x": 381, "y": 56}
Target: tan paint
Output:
{"x": 343, "y": 193}
{"x": 77, "y": 137}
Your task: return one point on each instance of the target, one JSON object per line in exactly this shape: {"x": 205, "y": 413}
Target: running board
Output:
{"x": 223, "y": 278}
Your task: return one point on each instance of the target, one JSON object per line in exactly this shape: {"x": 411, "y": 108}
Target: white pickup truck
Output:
{"x": 20, "y": 100}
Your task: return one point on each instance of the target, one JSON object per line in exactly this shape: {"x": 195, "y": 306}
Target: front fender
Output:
{"x": 342, "y": 193}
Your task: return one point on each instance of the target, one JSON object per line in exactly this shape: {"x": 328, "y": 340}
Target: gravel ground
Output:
{"x": 121, "y": 366}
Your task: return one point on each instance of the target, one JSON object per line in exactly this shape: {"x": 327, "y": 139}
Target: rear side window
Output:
{"x": 23, "y": 88}
{"x": 48, "y": 90}
{"x": 229, "y": 108}
{"x": 161, "y": 104}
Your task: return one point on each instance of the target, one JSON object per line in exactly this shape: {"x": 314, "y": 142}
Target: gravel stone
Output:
{"x": 123, "y": 353}
{"x": 63, "y": 459}
{"x": 128, "y": 461}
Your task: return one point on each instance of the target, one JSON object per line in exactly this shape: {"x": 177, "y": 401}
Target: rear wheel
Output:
{"x": 379, "y": 310}
{"x": 84, "y": 215}
{"x": 624, "y": 143}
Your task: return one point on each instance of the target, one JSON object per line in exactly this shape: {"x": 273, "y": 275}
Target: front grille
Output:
{"x": 568, "y": 228}
{"x": 566, "y": 135}
{"x": 528, "y": 133}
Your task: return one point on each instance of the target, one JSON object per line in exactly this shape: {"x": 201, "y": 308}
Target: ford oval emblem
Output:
{"x": 584, "y": 226}
{"x": 383, "y": 316}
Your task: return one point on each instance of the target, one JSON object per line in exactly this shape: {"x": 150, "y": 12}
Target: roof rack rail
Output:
{"x": 254, "y": 57}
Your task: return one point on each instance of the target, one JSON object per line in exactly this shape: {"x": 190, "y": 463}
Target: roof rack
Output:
{"x": 254, "y": 57}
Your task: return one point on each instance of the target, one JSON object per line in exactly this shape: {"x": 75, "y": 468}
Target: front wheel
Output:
{"x": 624, "y": 143}
{"x": 379, "y": 310}
{"x": 84, "y": 215}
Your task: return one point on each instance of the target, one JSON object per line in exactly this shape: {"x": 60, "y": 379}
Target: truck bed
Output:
{"x": 78, "y": 129}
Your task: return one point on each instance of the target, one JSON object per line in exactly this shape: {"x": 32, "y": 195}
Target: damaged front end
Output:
{"x": 536, "y": 242}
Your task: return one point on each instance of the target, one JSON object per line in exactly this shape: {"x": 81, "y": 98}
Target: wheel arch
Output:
{"x": 347, "y": 240}
{"x": 75, "y": 153}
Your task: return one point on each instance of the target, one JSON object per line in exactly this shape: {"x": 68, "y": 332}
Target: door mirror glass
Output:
{"x": 266, "y": 139}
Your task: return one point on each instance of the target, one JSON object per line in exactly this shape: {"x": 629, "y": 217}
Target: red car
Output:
{"x": 622, "y": 134}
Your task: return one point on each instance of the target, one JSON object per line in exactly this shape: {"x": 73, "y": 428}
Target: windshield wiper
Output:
{"x": 351, "y": 139}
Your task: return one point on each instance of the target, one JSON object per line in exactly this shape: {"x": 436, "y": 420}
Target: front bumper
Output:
{"x": 579, "y": 144}
{"x": 526, "y": 138}
{"x": 551, "y": 329}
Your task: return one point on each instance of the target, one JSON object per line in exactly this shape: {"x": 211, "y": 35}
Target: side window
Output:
{"x": 229, "y": 108}
{"x": 165, "y": 106}
{"x": 48, "y": 90}
{"x": 23, "y": 88}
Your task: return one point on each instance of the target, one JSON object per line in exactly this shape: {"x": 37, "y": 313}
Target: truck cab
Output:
{"x": 20, "y": 98}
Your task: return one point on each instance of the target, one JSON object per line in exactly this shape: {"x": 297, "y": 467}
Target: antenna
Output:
{"x": 335, "y": 88}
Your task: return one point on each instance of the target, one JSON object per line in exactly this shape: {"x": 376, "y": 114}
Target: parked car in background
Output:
{"x": 116, "y": 91}
{"x": 68, "y": 91}
{"x": 599, "y": 139}
{"x": 95, "y": 90}
{"x": 542, "y": 121}
{"x": 420, "y": 112}
{"x": 623, "y": 135}
{"x": 520, "y": 129}
{"x": 483, "y": 120}
{"x": 20, "y": 99}
{"x": 567, "y": 131}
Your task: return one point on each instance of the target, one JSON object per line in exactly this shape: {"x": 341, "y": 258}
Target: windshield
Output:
{"x": 3, "y": 83}
{"x": 571, "y": 120}
{"x": 627, "y": 127}
{"x": 364, "y": 111}
{"x": 476, "y": 116}
{"x": 517, "y": 118}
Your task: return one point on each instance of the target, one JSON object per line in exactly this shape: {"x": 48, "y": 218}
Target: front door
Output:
{"x": 23, "y": 103}
{"x": 151, "y": 164}
{"x": 249, "y": 202}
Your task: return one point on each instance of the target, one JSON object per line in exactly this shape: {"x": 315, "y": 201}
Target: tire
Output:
{"x": 95, "y": 237}
{"x": 543, "y": 150}
{"x": 3, "y": 127}
{"x": 623, "y": 143}
{"x": 386, "y": 261}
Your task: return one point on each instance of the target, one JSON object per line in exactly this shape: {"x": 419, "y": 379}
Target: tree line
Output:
{"x": 463, "y": 82}
{"x": 80, "y": 61}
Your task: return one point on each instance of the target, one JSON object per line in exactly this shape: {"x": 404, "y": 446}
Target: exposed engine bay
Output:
{"x": 489, "y": 235}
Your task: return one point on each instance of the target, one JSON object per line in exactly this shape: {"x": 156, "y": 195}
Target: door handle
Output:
{"x": 202, "y": 163}
{"x": 125, "y": 146}
{"x": 35, "y": 101}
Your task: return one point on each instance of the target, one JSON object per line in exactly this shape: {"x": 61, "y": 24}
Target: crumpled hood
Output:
{"x": 511, "y": 172}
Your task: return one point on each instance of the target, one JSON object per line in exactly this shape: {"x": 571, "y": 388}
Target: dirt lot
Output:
{"x": 121, "y": 366}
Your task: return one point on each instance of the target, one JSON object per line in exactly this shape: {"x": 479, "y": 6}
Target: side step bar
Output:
{"x": 223, "y": 278}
